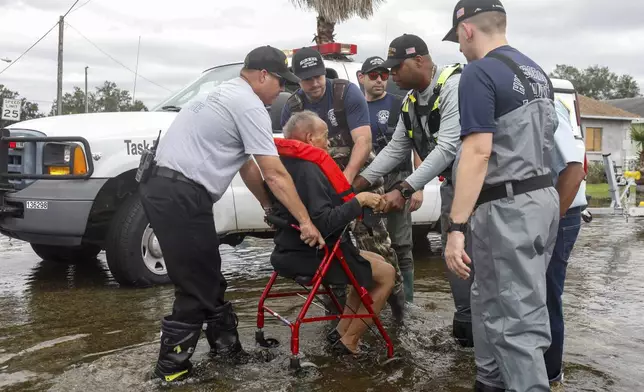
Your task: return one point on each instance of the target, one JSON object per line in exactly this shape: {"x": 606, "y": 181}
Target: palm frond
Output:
{"x": 637, "y": 133}
{"x": 337, "y": 11}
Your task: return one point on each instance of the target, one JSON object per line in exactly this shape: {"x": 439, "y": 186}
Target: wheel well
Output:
{"x": 108, "y": 200}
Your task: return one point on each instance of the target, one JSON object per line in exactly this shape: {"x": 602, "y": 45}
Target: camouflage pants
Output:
{"x": 376, "y": 240}
{"x": 379, "y": 242}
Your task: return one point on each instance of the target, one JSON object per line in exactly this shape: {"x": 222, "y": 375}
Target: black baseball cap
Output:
{"x": 466, "y": 9}
{"x": 372, "y": 63}
{"x": 308, "y": 63}
{"x": 404, "y": 47}
{"x": 272, "y": 60}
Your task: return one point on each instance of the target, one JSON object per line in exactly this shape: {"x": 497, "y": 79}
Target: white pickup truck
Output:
{"x": 67, "y": 182}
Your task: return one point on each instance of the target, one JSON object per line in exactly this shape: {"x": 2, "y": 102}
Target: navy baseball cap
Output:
{"x": 272, "y": 60}
{"x": 466, "y": 9}
{"x": 404, "y": 47}
{"x": 307, "y": 63}
{"x": 372, "y": 63}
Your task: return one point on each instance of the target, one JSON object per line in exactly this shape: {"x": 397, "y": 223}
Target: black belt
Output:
{"x": 497, "y": 192}
{"x": 160, "y": 171}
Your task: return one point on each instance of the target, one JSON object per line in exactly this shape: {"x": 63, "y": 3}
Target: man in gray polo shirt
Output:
{"x": 211, "y": 140}
{"x": 428, "y": 124}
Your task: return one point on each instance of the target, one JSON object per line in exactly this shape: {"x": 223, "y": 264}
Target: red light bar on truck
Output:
{"x": 330, "y": 48}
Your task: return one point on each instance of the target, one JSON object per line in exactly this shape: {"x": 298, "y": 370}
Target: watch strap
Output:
{"x": 462, "y": 227}
{"x": 405, "y": 192}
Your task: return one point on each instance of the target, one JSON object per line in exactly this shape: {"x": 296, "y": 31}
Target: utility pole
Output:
{"x": 59, "y": 95}
{"x": 136, "y": 71}
{"x": 86, "y": 98}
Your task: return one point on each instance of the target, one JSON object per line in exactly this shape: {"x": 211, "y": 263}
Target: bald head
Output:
{"x": 306, "y": 126}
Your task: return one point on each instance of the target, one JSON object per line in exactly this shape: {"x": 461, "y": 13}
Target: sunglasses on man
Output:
{"x": 373, "y": 75}
{"x": 281, "y": 80}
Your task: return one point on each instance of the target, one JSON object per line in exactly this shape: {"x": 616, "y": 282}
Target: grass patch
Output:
{"x": 600, "y": 195}
{"x": 597, "y": 191}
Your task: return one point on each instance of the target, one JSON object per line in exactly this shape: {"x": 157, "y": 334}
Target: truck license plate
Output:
{"x": 37, "y": 205}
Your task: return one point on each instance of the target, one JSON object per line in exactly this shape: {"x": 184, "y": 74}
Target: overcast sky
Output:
{"x": 179, "y": 39}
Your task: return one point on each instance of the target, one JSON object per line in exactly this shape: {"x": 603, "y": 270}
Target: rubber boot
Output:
{"x": 222, "y": 335}
{"x": 340, "y": 292}
{"x": 462, "y": 332}
{"x": 397, "y": 303}
{"x": 178, "y": 342}
{"x": 408, "y": 282}
{"x": 480, "y": 387}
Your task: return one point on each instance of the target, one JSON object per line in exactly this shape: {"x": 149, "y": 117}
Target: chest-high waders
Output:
{"x": 376, "y": 237}
{"x": 514, "y": 228}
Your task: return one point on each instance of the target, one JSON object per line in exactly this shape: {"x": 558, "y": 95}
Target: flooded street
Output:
{"x": 72, "y": 328}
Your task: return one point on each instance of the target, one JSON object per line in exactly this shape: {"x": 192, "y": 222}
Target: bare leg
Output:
{"x": 353, "y": 302}
{"x": 383, "y": 276}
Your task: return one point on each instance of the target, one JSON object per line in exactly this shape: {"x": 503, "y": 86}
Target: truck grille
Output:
{"x": 26, "y": 159}
{"x": 15, "y": 164}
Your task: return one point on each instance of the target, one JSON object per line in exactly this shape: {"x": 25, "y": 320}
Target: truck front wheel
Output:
{"x": 133, "y": 252}
{"x": 66, "y": 254}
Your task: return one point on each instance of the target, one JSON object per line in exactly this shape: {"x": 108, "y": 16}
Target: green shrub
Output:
{"x": 596, "y": 173}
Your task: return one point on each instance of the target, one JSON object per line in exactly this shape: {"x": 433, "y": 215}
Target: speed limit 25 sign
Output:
{"x": 11, "y": 109}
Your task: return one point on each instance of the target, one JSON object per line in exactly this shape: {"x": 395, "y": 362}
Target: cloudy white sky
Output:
{"x": 179, "y": 39}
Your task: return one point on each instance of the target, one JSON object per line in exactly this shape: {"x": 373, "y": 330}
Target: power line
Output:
{"x": 115, "y": 60}
{"x": 81, "y": 6}
{"x": 70, "y": 8}
{"x": 40, "y": 39}
{"x": 27, "y": 51}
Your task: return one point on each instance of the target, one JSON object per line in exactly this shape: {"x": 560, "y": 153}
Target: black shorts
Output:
{"x": 292, "y": 263}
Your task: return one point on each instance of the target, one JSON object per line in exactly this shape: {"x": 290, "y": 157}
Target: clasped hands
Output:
{"x": 388, "y": 202}
{"x": 372, "y": 200}
{"x": 393, "y": 200}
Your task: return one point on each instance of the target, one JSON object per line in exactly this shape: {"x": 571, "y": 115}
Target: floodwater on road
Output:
{"x": 72, "y": 328}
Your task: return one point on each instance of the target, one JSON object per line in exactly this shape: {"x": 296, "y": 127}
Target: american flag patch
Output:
{"x": 410, "y": 50}
{"x": 460, "y": 13}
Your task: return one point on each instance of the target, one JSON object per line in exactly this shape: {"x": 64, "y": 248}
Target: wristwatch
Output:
{"x": 462, "y": 227}
{"x": 405, "y": 192}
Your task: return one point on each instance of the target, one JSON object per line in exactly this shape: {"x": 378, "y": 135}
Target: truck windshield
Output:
{"x": 205, "y": 84}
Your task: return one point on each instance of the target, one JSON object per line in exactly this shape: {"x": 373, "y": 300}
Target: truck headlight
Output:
{"x": 63, "y": 159}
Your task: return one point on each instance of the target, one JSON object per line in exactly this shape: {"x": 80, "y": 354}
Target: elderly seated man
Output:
{"x": 292, "y": 257}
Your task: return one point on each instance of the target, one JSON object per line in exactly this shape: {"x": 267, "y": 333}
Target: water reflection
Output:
{"x": 72, "y": 328}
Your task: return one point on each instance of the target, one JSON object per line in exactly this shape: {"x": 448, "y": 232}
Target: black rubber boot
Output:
{"x": 222, "y": 335}
{"x": 462, "y": 332}
{"x": 480, "y": 387}
{"x": 340, "y": 292}
{"x": 178, "y": 342}
{"x": 397, "y": 303}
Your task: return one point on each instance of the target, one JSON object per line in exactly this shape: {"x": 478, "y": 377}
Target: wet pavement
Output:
{"x": 72, "y": 328}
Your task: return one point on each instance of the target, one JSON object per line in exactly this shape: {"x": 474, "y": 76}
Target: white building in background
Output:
{"x": 607, "y": 129}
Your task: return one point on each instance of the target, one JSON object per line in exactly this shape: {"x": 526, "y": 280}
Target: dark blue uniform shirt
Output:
{"x": 489, "y": 89}
{"x": 381, "y": 112}
{"x": 355, "y": 105}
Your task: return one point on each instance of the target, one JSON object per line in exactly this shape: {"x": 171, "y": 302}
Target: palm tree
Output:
{"x": 637, "y": 136}
{"x": 331, "y": 12}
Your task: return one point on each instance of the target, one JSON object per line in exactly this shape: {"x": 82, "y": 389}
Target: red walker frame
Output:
{"x": 316, "y": 282}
